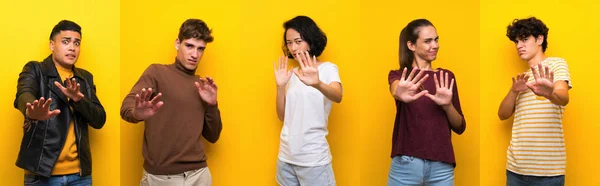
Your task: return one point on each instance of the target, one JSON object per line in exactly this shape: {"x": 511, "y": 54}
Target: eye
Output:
{"x": 65, "y": 42}
{"x": 77, "y": 43}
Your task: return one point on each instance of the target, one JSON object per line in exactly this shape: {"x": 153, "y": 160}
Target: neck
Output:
{"x": 63, "y": 66}
{"x": 422, "y": 64}
{"x": 182, "y": 68}
{"x": 539, "y": 57}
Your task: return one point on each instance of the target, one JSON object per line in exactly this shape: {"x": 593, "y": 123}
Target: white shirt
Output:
{"x": 303, "y": 141}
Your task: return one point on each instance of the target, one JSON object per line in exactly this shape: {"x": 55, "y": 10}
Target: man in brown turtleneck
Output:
{"x": 177, "y": 108}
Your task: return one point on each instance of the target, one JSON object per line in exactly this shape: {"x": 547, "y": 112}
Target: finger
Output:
{"x": 441, "y": 80}
{"x": 54, "y": 112}
{"x": 158, "y": 105}
{"x": 513, "y": 79}
{"x": 143, "y": 95}
{"x": 300, "y": 61}
{"x": 156, "y": 99}
{"x": 432, "y": 97}
{"x": 57, "y": 84}
{"x": 535, "y": 74}
{"x": 137, "y": 99}
{"x": 35, "y": 104}
{"x": 29, "y": 106}
{"x": 547, "y": 72}
{"x": 420, "y": 94}
{"x": 530, "y": 85}
{"x": 412, "y": 74}
{"x": 285, "y": 62}
{"x": 422, "y": 80}
{"x": 541, "y": 70}
{"x": 73, "y": 83}
{"x": 446, "y": 81}
{"x": 41, "y": 102}
{"x": 210, "y": 80}
{"x": 197, "y": 85}
{"x": 47, "y": 104}
{"x": 403, "y": 77}
{"x": 315, "y": 60}
{"x": 435, "y": 80}
{"x": 418, "y": 77}
{"x": 280, "y": 62}
{"x": 214, "y": 85}
{"x": 552, "y": 76}
{"x": 78, "y": 88}
{"x": 451, "y": 85}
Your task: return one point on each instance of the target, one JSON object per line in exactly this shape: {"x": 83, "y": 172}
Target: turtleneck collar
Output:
{"x": 181, "y": 68}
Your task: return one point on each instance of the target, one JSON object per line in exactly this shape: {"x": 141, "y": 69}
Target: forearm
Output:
{"x": 455, "y": 119}
{"x": 331, "y": 93}
{"x": 507, "y": 107}
{"x": 127, "y": 108}
{"x": 212, "y": 124}
{"x": 280, "y": 102}
{"x": 559, "y": 97}
{"x": 92, "y": 111}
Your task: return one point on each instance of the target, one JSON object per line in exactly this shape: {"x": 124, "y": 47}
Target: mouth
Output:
{"x": 521, "y": 52}
{"x": 193, "y": 62}
{"x": 71, "y": 56}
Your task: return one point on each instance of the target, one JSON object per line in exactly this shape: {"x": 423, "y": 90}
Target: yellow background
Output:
{"x": 459, "y": 52}
{"x": 25, "y": 30}
{"x": 573, "y": 36}
{"x": 363, "y": 42}
{"x": 247, "y": 42}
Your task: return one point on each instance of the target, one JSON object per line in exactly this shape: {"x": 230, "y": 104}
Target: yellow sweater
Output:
{"x": 68, "y": 160}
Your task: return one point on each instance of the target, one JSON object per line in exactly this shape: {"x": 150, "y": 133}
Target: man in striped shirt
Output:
{"x": 536, "y": 154}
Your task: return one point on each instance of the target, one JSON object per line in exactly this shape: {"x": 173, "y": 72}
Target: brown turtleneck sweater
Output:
{"x": 172, "y": 138}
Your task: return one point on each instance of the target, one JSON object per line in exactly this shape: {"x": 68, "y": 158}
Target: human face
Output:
{"x": 65, "y": 48}
{"x": 294, "y": 42}
{"x": 189, "y": 52}
{"x": 426, "y": 47}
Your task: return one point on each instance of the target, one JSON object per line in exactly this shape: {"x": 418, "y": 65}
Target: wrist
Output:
{"x": 447, "y": 107}
{"x": 319, "y": 85}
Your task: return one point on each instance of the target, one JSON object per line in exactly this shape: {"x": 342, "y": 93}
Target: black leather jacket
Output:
{"x": 42, "y": 143}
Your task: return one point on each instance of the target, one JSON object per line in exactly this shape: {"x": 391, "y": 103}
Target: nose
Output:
{"x": 436, "y": 45}
{"x": 194, "y": 54}
{"x": 71, "y": 47}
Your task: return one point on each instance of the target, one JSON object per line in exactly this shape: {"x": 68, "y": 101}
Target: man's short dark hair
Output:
{"x": 522, "y": 28}
{"x": 195, "y": 28}
{"x": 65, "y": 25}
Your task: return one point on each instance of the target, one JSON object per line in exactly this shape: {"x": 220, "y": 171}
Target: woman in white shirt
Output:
{"x": 304, "y": 98}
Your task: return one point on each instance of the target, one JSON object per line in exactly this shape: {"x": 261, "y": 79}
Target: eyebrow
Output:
{"x": 190, "y": 44}
{"x": 293, "y": 39}
{"x": 69, "y": 38}
{"x": 426, "y": 39}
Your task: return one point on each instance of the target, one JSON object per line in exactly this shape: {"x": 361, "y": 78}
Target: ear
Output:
{"x": 51, "y": 45}
{"x": 177, "y": 43}
{"x": 411, "y": 46}
{"x": 539, "y": 40}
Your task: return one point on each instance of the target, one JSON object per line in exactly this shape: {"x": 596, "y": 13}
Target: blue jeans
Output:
{"x": 408, "y": 170}
{"x": 62, "y": 180}
{"x": 514, "y": 179}
{"x": 293, "y": 175}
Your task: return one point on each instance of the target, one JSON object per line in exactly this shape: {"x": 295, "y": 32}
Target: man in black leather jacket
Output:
{"x": 58, "y": 102}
